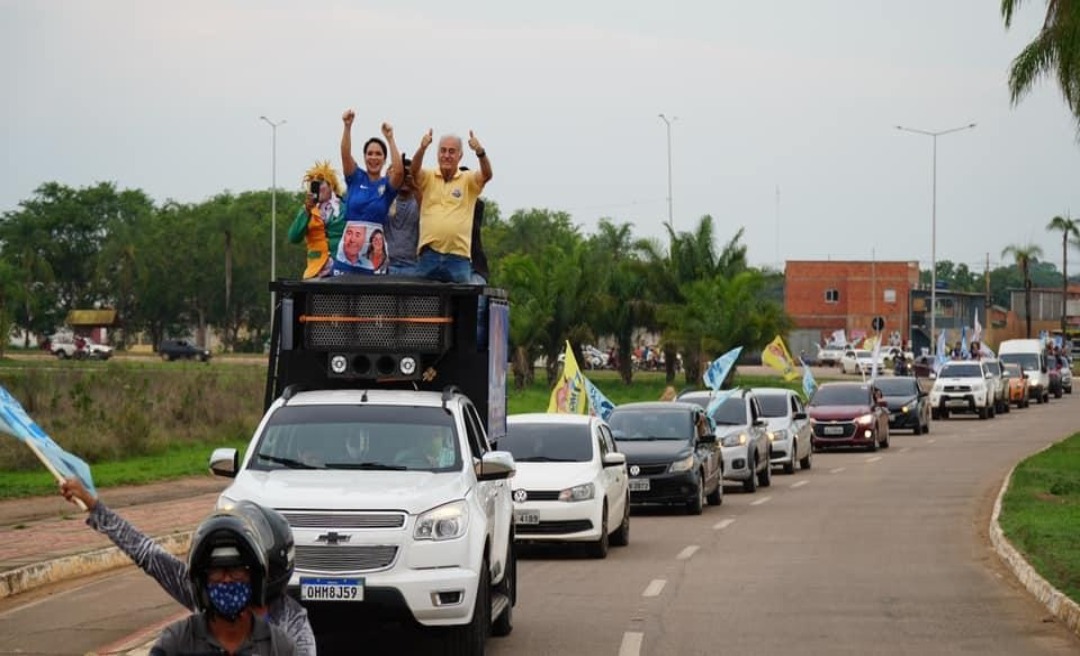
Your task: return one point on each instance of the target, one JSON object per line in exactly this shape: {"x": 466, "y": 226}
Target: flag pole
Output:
{"x": 52, "y": 470}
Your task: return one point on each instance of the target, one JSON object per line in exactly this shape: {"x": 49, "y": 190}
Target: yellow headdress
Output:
{"x": 323, "y": 171}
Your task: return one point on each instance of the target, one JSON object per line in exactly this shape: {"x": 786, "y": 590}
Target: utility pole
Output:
{"x": 670, "y": 212}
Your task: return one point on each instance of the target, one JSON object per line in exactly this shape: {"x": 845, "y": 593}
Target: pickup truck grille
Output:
{"x": 342, "y": 558}
{"x": 958, "y": 388}
{"x": 369, "y": 520}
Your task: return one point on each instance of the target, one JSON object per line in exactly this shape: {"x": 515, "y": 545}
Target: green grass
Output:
{"x": 1041, "y": 514}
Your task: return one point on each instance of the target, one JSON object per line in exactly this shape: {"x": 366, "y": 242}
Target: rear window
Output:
{"x": 542, "y": 442}
{"x": 898, "y": 386}
{"x": 841, "y": 395}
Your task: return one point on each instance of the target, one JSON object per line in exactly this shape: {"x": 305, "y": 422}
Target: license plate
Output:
{"x": 957, "y": 402}
{"x": 639, "y": 485}
{"x": 334, "y": 589}
{"x": 834, "y": 430}
{"x": 526, "y": 518}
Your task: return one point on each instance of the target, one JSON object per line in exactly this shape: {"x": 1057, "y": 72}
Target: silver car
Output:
{"x": 741, "y": 430}
{"x": 788, "y": 429}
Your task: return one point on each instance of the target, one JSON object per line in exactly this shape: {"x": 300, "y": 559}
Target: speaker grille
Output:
{"x": 389, "y": 336}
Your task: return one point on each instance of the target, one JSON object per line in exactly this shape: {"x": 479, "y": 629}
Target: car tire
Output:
{"x": 805, "y": 462}
{"x": 873, "y": 445}
{"x": 504, "y": 624}
{"x": 621, "y": 536}
{"x": 599, "y": 548}
{"x": 696, "y": 505}
{"x": 984, "y": 413}
{"x": 765, "y": 476}
{"x": 789, "y": 466}
{"x": 926, "y": 428}
{"x": 716, "y": 497}
{"x": 1057, "y": 393}
{"x": 750, "y": 484}
{"x": 934, "y": 414}
{"x": 470, "y": 639}
{"x": 885, "y": 442}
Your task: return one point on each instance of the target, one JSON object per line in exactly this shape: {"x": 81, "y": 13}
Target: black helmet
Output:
{"x": 277, "y": 540}
{"x": 226, "y": 539}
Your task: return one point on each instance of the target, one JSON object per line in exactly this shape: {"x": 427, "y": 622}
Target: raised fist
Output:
{"x": 348, "y": 117}
{"x": 387, "y": 131}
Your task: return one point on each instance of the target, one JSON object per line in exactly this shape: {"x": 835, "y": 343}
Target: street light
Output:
{"x": 933, "y": 226}
{"x": 668, "y": 122}
{"x": 273, "y": 207}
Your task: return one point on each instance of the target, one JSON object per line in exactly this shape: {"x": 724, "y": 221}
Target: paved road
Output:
{"x": 880, "y": 553}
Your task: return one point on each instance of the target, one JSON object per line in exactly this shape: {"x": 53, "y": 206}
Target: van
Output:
{"x": 1029, "y": 354}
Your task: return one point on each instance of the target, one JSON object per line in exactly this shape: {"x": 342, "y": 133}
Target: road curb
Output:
{"x": 1063, "y": 608}
{"x": 33, "y": 576}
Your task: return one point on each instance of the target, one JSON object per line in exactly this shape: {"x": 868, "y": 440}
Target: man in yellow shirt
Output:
{"x": 448, "y": 197}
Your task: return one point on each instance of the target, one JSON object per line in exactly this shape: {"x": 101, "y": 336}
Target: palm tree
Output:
{"x": 1054, "y": 51}
{"x": 1069, "y": 228}
{"x": 1024, "y": 255}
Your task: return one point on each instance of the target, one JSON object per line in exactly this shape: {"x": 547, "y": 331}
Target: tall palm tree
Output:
{"x": 1069, "y": 228}
{"x": 1054, "y": 51}
{"x": 1024, "y": 255}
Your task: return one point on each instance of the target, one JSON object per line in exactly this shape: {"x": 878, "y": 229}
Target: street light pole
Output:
{"x": 273, "y": 206}
{"x": 670, "y": 213}
{"x": 933, "y": 224}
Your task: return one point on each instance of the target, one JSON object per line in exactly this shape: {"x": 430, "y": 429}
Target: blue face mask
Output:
{"x": 229, "y": 599}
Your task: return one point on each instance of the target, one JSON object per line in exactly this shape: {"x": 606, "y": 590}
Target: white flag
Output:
{"x": 976, "y": 334}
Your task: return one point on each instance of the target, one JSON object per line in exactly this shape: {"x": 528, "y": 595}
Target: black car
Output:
{"x": 181, "y": 349}
{"x": 909, "y": 405}
{"x": 671, "y": 453}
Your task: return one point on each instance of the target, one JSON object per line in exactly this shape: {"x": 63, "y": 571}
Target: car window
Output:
{"x": 961, "y": 370}
{"x": 900, "y": 386}
{"x": 732, "y": 412}
{"x": 841, "y": 395}
{"x": 638, "y": 424}
{"x": 548, "y": 442}
{"x": 609, "y": 441}
{"x": 477, "y": 441}
{"x": 774, "y": 405}
{"x": 598, "y": 439}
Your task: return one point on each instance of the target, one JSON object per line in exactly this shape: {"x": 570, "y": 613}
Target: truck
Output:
{"x": 385, "y": 399}
{"x": 1029, "y": 354}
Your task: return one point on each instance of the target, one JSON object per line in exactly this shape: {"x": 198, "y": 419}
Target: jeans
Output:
{"x": 442, "y": 266}
{"x": 400, "y": 268}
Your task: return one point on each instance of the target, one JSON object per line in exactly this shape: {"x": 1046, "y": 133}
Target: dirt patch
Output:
{"x": 1048, "y": 496}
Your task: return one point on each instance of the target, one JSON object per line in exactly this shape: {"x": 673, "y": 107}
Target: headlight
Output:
{"x": 778, "y": 435}
{"x": 225, "y": 503}
{"x": 864, "y": 419}
{"x": 734, "y": 440}
{"x": 578, "y": 493}
{"x": 686, "y": 464}
{"x": 903, "y": 410}
{"x": 443, "y": 523}
{"x": 977, "y": 387}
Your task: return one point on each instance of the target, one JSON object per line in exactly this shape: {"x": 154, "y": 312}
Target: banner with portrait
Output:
{"x": 361, "y": 250}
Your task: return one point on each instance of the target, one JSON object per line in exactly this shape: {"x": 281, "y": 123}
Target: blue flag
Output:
{"x": 716, "y": 373}
{"x": 599, "y": 405}
{"x": 808, "y": 382}
{"x": 942, "y": 350}
{"x": 15, "y": 422}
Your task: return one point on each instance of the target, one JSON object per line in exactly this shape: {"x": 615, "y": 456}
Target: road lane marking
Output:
{"x": 799, "y": 484}
{"x": 688, "y": 552}
{"x": 631, "y": 643}
{"x": 836, "y": 471}
{"x": 905, "y": 449}
{"x": 760, "y": 501}
{"x": 722, "y": 524}
{"x": 654, "y": 588}
{"x": 931, "y": 441}
{"x": 874, "y": 459}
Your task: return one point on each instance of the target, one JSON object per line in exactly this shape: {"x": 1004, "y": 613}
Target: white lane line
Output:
{"x": 836, "y": 471}
{"x": 654, "y": 588}
{"x": 799, "y": 484}
{"x": 874, "y": 459}
{"x": 905, "y": 449}
{"x": 931, "y": 441}
{"x": 761, "y": 501}
{"x": 631, "y": 643}
{"x": 722, "y": 524}
{"x": 688, "y": 552}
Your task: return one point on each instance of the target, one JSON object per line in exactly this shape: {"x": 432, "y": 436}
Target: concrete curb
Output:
{"x": 36, "y": 575}
{"x": 1063, "y": 608}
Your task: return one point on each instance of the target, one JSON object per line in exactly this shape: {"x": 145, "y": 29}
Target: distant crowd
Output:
{"x": 401, "y": 219}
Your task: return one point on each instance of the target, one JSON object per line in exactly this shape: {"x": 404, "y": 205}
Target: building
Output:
{"x": 1046, "y": 308}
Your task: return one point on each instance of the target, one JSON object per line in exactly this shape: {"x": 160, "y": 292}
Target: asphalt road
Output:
{"x": 881, "y": 553}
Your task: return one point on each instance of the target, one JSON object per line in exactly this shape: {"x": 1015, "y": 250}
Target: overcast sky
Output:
{"x": 792, "y": 95}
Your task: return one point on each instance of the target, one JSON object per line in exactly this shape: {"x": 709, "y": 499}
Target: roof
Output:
{"x": 657, "y": 405}
{"x": 549, "y": 418}
{"x": 91, "y": 318}
{"x": 376, "y": 397}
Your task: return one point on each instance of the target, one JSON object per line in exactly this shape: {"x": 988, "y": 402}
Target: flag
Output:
{"x": 15, "y": 422}
{"x": 870, "y": 342}
{"x": 964, "y": 353}
{"x": 568, "y": 394}
{"x": 599, "y": 405}
{"x": 875, "y": 357}
{"x": 976, "y": 333}
{"x": 838, "y": 337}
{"x": 808, "y": 382}
{"x": 777, "y": 356}
{"x": 716, "y": 373}
{"x": 942, "y": 354}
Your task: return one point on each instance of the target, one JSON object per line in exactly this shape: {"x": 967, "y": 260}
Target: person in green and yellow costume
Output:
{"x": 321, "y": 221}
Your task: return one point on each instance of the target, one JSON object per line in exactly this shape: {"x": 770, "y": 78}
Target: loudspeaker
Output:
{"x": 373, "y": 366}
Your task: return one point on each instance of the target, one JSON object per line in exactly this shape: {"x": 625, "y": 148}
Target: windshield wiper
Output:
{"x": 544, "y": 459}
{"x": 368, "y": 466}
{"x": 288, "y": 462}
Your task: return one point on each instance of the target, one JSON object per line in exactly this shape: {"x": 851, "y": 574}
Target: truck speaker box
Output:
{"x": 373, "y": 366}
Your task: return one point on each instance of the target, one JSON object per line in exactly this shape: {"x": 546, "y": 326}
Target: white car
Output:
{"x": 963, "y": 386}
{"x": 829, "y": 355}
{"x": 571, "y": 483}
{"x": 855, "y": 361}
{"x": 788, "y": 429}
{"x": 741, "y": 431}
{"x": 395, "y": 499}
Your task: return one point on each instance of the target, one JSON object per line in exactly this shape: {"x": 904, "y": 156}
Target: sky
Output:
{"x": 785, "y": 112}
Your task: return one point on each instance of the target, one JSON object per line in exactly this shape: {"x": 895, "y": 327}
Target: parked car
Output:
{"x": 1017, "y": 381}
{"x": 671, "y": 453}
{"x": 73, "y": 346}
{"x": 998, "y": 383}
{"x": 742, "y": 431}
{"x": 908, "y": 404}
{"x": 571, "y": 483}
{"x": 962, "y": 386}
{"x": 849, "y": 414}
{"x": 182, "y": 349}
{"x": 860, "y": 361}
{"x": 788, "y": 429}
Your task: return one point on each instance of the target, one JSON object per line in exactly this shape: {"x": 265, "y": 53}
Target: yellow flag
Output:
{"x": 569, "y": 392}
{"x": 777, "y": 356}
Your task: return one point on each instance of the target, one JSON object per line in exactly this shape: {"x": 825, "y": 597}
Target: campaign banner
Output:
{"x": 718, "y": 370}
{"x": 15, "y": 422}
{"x": 599, "y": 405}
{"x": 809, "y": 385}
{"x": 361, "y": 250}
{"x": 499, "y": 354}
{"x": 777, "y": 356}
{"x": 568, "y": 395}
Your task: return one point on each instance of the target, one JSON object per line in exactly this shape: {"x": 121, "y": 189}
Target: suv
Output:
{"x": 182, "y": 349}
{"x": 963, "y": 386}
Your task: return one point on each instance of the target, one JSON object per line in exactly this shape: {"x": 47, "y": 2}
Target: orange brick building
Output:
{"x": 821, "y": 297}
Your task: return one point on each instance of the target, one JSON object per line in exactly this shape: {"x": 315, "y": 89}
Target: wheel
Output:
{"x": 918, "y": 427}
{"x": 716, "y": 497}
{"x": 469, "y": 640}
{"x": 805, "y": 462}
{"x": 984, "y": 413}
{"x": 504, "y": 624}
{"x": 934, "y": 414}
{"x": 621, "y": 536}
{"x": 697, "y": 504}
{"x": 789, "y": 467}
{"x": 944, "y": 414}
{"x": 874, "y": 445}
{"x": 991, "y": 409}
{"x": 1057, "y": 393}
{"x": 599, "y": 548}
{"x": 750, "y": 484}
{"x": 885, "y": 442}
{"x": 765, "y": 476}
{"x": 926, "y": 428}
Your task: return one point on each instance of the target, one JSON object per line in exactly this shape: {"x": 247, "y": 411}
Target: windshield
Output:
{"x": 773, "y": 405}
{"x": 360, "y": 437}
{"x": 545, "y": 442}
{"x": 635, "y": 424}
{"x": 1012, "y": 370}
{"x": 862, "y": 354}
{"x": 961, "y": 370}
{"x": 898, "y": 386}
{"x": 1029, "y": 361}
{"x": 841, "y": 395}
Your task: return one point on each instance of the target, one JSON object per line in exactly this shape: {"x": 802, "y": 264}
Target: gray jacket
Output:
{"x": 191, "y": 637}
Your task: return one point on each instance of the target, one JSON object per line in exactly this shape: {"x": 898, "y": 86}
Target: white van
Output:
{"x": 1029, "y": 354}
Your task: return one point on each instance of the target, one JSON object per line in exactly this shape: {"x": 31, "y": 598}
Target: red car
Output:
{"x": 849, "y": 414}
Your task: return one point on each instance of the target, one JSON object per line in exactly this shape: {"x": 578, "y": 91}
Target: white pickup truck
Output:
{"x": 830, "y": 354}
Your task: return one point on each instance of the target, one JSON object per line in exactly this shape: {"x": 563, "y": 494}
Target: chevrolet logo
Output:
{"x": 333, "y": 538}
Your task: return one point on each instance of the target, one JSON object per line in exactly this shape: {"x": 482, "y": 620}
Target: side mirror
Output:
{"x": 800, "y": 415}
{"x": 988, "y": 375}
{"x": 495, "y": 466}
{"x": 614, "y": 459}
{"x": 225, "y": 462}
